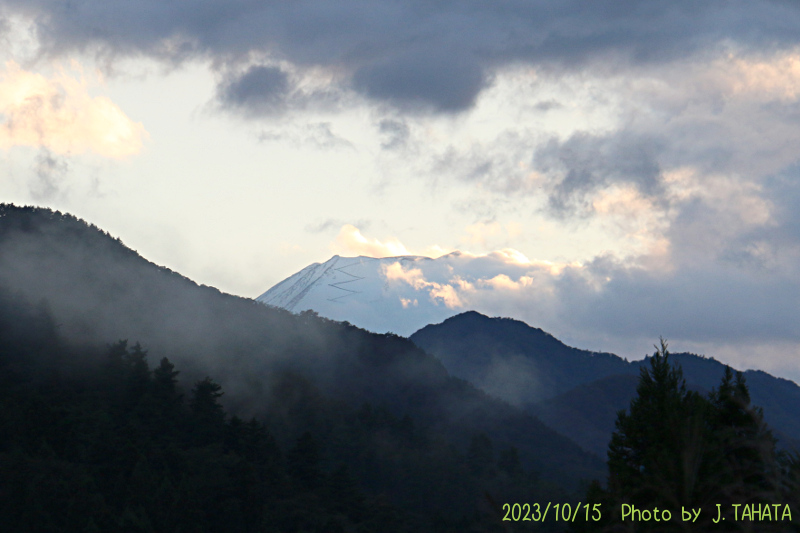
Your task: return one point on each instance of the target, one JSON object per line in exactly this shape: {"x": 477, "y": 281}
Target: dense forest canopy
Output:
{"x": 98, "y": 440}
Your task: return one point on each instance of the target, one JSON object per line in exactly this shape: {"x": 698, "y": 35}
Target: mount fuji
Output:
{"x": 392, "y": 294}
{"x": 405, "y": 293}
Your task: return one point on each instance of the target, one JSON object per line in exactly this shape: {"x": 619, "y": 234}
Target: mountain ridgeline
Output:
{"x": 440, "y": 452}
{"x": 511, "y": 359}
{"x": 579, "y": 392}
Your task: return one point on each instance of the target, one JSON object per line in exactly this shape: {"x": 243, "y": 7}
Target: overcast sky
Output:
{"x": 636, "y": 162}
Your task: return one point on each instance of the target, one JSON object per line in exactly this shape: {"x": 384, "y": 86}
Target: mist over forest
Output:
{"x": 134, "y": 399}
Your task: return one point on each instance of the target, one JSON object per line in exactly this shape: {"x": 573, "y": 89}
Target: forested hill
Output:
{"x": 429, "y": 443}
{"x": 577, "y": 391}
{"x": 511, "y": 359}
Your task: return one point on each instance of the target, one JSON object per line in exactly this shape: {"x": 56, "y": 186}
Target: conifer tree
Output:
{"x": 165, "y": 382}
{"x": 207, "y": 411}
{"x": 137, "y": 370}
{"x": 115, "y": 360}
{"x": 303, "y": 462}
{"x": 205, "y": 400}
{"x": 676, "y": 449}
{"x": 656, "y": 452}
{"x": 745, "y": 458}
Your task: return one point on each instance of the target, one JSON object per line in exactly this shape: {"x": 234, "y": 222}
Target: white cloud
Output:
{"x": 407, "y": 302}
{"x": 412, "y": 276}
{"x": 59, "y": 114}
{"x": 503, "y": 282}
{"x": 766, "y": 78}
{"x": 447, "y": 293}
{"x": 462, "y": 280}
{"x": 350, "y": 241}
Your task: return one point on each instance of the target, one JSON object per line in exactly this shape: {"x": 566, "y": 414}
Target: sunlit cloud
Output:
{"x": 510, "y": 255}
{"x": 60, "y": 115}
{"x": 412, "y": 276}
{"x": 463, "y": 280}
{"x": 503, "y": 282}
{"x": 447, "y": 293}
{"x": 636, "y": 220}
{"x": 350, "y": 241}
{"x": 776, "y": 77}
{"x": 408, "y": 302}
{"x": 741, "y": 200}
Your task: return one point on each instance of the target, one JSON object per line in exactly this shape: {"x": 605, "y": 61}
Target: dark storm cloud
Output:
{"x": 423, "y": 80}
{"x": 263, "y": 90}
{"x": 423, "y": 54}
{"x": 259, "y": 90}
{"x": 586, "y": 163}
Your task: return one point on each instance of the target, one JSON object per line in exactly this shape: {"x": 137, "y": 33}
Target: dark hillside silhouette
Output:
{"x": 575, "y": 391}
{"x": 478, "y": 348}
{"x": 386, "y": 417}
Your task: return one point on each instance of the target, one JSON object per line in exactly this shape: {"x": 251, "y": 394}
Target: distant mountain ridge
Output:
{"x": 576, "y": 391}
{"x": 512, "y": 360}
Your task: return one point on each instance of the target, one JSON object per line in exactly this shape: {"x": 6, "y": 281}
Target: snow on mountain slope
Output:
{"x": 381, "y": 295}
{"x": 405, "y": 293}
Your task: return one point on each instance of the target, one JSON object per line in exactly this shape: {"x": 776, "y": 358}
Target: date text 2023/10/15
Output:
{"x": 565, "y": 512}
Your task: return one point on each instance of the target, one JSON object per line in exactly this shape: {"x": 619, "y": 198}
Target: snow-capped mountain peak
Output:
{"x": 402, "y": 294}
{"x": 377, "y": 294}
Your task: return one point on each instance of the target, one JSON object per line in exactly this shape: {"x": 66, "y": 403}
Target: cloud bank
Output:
{"x": 607, "y": 303}
{"x": 430, "y": 56}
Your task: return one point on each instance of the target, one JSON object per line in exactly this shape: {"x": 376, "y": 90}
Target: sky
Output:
{"x": 628, "y": 168}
